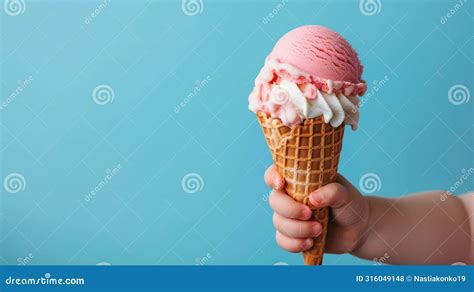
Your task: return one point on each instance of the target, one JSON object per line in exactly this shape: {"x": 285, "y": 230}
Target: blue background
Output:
{"x": 151, "y": 53}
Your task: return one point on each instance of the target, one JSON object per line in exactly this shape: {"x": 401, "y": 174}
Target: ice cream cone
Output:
{"x": 307, "y": 156}
{"x": 304, "y": 95}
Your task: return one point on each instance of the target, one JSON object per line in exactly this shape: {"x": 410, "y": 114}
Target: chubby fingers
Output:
{"x": 285, "y": 206}
{"x": 296, "y": 228}
{"x": 293, "y": 244}
{"x": 333, "y": 195}
{"x": 273, "y": 179}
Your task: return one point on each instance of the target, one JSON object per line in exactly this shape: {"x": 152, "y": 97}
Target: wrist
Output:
{"x": 365, "y": 229}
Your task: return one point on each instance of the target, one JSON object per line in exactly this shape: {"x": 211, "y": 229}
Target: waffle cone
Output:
{"x": 307, "y": 156}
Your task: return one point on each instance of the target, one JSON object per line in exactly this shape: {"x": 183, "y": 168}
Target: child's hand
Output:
{"x": 347, "y": 223}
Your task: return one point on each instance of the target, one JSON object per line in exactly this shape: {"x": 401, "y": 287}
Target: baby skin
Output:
{"x": 427, "y": 228}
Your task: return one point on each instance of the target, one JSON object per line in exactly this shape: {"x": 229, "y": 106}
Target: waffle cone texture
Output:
{"x": 307, "y": 156}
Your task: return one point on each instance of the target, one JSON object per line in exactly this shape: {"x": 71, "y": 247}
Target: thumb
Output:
{"x": 333, "y": 195}
{"x": 344, "y": 200}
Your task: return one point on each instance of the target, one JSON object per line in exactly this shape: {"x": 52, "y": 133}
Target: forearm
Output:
{"x": 424, "y": 228}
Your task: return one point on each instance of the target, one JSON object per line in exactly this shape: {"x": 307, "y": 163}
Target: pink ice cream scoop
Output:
{"x": 311, "y": 71}
{"x": 320, "y": 52}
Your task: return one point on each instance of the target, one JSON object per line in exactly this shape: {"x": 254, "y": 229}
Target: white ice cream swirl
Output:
{"x": 292, "y": 103}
